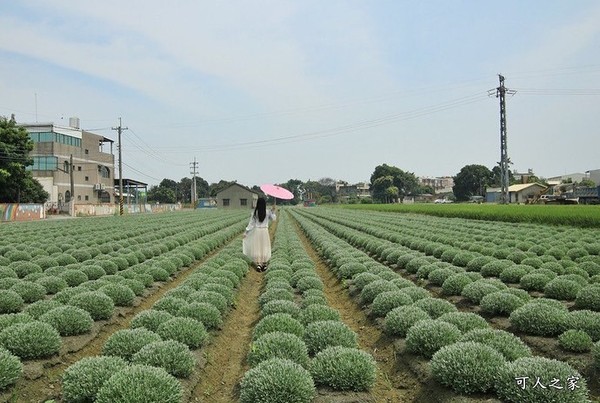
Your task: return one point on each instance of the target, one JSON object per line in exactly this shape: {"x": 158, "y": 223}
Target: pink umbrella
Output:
{"x": 277, "y": 191}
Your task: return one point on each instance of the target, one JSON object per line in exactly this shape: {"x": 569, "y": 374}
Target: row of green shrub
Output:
{"x": 157, "y": 348}
{"x": 466, "y": 355}
{"x": 306, "y": 342}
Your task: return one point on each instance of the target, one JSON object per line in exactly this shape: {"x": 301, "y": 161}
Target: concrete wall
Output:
{"x": 84, "y": 210}
{"x": 22, "y": 212}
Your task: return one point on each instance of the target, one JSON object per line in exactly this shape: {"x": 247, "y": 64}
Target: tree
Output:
{"x": 406, "y": 182}
{"x": 17, "y": 185}
{"x": 497, "y": 178}
{"x": 379, "y": 187}
{"x": 587, "y": 183}
{"x": 472, "y": 180}
{"x": 161, "y": 194}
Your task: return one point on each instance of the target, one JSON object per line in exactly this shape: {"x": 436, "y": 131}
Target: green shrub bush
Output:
{"x": 464, "y": 321}
{"x": 476, "y": 290}
{"x": 399, "y": 320}
{"x": 185, "y": 330}
{"x": 30, "y": 292}
{"x": 466, "y": 367}
{"x": 74, "y": 277}
{"x": 588, "y": 298}
{"x": 82, "y": 380}
{"x": 534, "y": 281}
{"x": 586, "y": 320}
{"x": 416, "y": 293}
{"x": 435, "y": 307}
{"x": 93, "y": 271}
{"x": 141, "y": 383}
{"x": 125, "y": 343}
{"x": 39, "y": 308}
{"x": 10, "y": 301}
{"x": 309, "y": 282}
{"x": 10, "y": 368}
{"x": 454, "y": 284}
{"x": 68, "y": 320}
{"x": 562, "y": 289}
{"x": 24, "y": 268}
{"x": 31, "y": 340}
{"x": 507, "y": 344}
{"x": 513, "y": 274}
{"x": 280, "y": 306}
{"x": 351, "y": 269}
{"x": 344, "y": 368}
{"x": 539, "y": 319}
{"x": 577, "y": 341}
{"x": 170, "y": 355}
{"x": 99, "y": 305}
{"x": 322, "y": 334}
{"x": 495, "y": 267}
{"x": 282, "y": 322}
{"x": 9, "y": 319}
{"x": 438, "y": 276}
{"x": 313, "y": 313}
{"x": 362, "y": 279}
{"x": 428, "y": 336}
{"x": 213, "y": 298}
{"x": 169, "y": 304}
{"x": 150, "y": 319}
{"x": 203, "y": 312}
{"x": 120, "y": 294}
{"x": 278, "y": 345}
{"x": 277, "y": 381}
{"x": 388, "y": 300}
{"x": 275, "y": 295}
{"x": 500, "y": 303}
{"x": 52, "y": 284}
{"x": 530, "y": 369}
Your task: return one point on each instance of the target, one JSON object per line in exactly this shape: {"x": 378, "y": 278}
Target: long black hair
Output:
{"x": 260, "y": 211}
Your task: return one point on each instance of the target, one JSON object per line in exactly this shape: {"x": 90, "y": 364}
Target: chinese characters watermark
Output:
{"x": 570, "y": 383}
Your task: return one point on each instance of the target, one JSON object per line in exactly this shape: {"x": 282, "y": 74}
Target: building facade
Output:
{"x": 72, "y": 164}
{"x": 237, "y": 196}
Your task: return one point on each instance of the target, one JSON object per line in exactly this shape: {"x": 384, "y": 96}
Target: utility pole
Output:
{"x": 194, "y": 172}
{"x": 119, "y": 130}
{"x": 71, "y": 175}
{"x": 501, "y": 92}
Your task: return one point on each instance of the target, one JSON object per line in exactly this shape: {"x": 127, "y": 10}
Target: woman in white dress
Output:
{"x": 257, "y": 244}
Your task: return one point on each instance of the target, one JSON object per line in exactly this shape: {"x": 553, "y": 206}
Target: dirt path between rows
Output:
{"x": 47, "y": 383}
{"x": 226, "y": 354}
{"x": 395, "y": 381}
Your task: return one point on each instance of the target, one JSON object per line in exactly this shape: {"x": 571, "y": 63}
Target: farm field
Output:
{"x": 356, "y": 306}
{"x": 573, "y": 215}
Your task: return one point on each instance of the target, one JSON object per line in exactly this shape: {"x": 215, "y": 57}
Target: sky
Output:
{"x": 265, "y": 91}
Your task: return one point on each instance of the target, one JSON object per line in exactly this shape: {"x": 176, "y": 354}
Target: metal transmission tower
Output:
{"x": 194, "y": 172}
{"x": 501, "y": 92}
{"x": 119, "y": 130}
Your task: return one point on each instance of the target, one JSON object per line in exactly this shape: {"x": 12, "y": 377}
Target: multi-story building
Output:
{"x": 441, "y": 184}
{"x": 72, "y": 164}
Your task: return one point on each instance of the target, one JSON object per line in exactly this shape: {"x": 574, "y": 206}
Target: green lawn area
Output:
{"x": 572, "y": 215}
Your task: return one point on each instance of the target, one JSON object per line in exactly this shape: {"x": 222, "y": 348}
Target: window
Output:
{"x": 104, "y": 171}
{"x": 243, "y": 202}
{"x": 225, "y": 202}
{"x": 67, "y": 196}
{"x": 79, "y": 168}
{"x": 44, "y": 164}
{"x": 79, "y": 197}
{"x": 87, "y": 178}
{"x": 87, "y": 151}
{"x": 66, "y": 167}
{"x": 87, "y": 197}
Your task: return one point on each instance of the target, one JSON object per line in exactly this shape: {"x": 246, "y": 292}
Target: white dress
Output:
{"x": 257, "y": 244}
